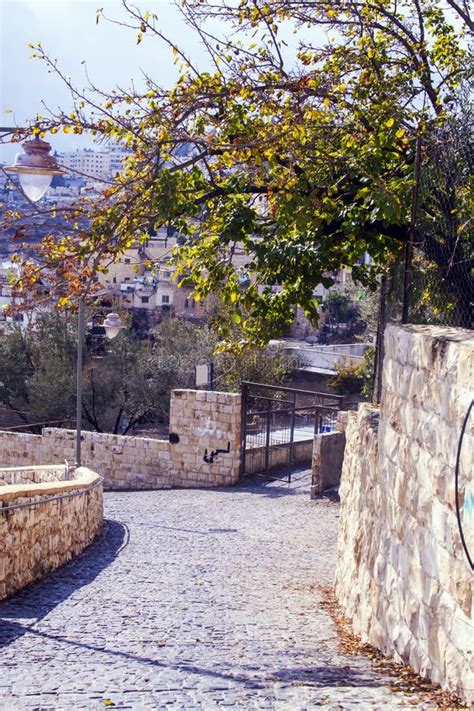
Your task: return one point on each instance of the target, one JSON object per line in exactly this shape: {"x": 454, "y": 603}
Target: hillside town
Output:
{"x": 237, "y": 356}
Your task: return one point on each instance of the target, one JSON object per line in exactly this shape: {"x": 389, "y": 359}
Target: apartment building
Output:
{"x": 87, "y": 163}
{"x": 143, "y": 280}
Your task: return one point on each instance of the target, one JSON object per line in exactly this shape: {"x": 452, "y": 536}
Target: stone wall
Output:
{"x": 45, "y": 524}
{"x": 205, "y": 423}
{"x": 32, "y": 475}
{"x": 202, "y": 420}
{"x": 328, "y": 456}
{"x": 402, "y": 575}
{"x": 278, "y": 456}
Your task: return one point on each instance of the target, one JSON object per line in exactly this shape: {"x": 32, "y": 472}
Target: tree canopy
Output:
{"x": 295, "y": 147}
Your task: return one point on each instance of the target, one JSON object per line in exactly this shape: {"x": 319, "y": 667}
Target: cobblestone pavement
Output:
{"x": 191, "y": 600}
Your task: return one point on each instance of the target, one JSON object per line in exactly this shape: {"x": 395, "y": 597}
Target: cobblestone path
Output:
{"x": 191, "y": 600}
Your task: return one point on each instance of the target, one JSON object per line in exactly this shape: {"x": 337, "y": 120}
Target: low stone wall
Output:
{"x": 32, "y": 475}
{"x": 204, "y": 422}
{"x": 208, "y": 427}
{"x": 45, "y": 524}
{"x": 278, "y": 453}
{"x": 328, "y": 456}
{"x": 402, "y": 574}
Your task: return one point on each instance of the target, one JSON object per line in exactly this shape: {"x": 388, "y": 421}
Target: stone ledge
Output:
{"x": 86, "y": 478}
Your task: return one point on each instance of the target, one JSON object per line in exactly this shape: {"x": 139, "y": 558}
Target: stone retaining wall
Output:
{"x": 47, "y": 531}
{"x": 32, "y": 475}
{"x": 328, "y": 456}
{"x": 278, "y": 456}
{"x": 402, "y": 575}
{"x": 203, "y": 421}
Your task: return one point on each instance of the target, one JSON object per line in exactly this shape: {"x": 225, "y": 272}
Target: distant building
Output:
{"x": 118, "y": 155}
{"x": 9, "y": 300}
{"x": 142, "y": 279}
{"x": 95, "y": 165}
{"x": 87, "y": 163}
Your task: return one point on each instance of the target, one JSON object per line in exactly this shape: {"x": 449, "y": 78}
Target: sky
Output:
{"x": 68, "y": 31}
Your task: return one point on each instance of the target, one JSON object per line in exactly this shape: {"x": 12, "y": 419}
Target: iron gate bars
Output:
{"x": 278, "y": 421}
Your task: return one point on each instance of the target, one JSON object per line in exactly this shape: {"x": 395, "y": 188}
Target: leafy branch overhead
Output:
{"x": 294, "y": 147}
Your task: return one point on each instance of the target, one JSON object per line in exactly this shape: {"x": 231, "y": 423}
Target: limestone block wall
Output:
{"x": 328, "y": 456}
{"x": 123, "y": 462}
{"x": 203, "y": 421}
{"x": 402, "y": 575}
{"x": 45, "y": 524}
{"x": 31, "y": 475}
{"x": 278, "y": 456}
{"x": 207, "y": 424}
{"x": 18, "y": 449}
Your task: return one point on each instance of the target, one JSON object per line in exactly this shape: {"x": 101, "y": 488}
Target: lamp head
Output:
{"x": 112, "y": 325}
{"x": 35, "y": 168}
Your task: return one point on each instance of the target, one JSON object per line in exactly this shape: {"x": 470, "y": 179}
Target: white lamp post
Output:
{"x": 112, "y": 325}
{"x": 35, "y": 168}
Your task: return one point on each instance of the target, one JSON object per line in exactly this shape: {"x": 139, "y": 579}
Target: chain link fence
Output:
{"x": 434, "y": 283}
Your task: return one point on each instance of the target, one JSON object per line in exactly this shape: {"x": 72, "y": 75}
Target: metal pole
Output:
{"x": 408, "y": 270}
{"x": 80, "y": 343}
{"x": 267, "y": 437}
{"x": 292, "y": 429}
{"x": 243, "y": 428}
{"x": 379, "y": 345}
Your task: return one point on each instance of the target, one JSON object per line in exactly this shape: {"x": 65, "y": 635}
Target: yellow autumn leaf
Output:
{"x": 390, "y": 122}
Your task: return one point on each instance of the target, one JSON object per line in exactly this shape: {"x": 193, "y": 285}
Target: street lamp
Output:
{"x": 112, "y": 325}
{"x": 35, "y": 168}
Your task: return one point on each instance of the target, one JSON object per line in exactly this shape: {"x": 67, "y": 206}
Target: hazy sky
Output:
{"x": 67, "y": 29}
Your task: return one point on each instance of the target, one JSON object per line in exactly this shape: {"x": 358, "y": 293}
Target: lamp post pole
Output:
{"x": 80, "y": 348}
{"x": 112, "y": 326}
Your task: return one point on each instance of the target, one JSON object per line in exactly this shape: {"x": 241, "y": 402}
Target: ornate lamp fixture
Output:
{"x": 112, "y": 325}
{"x": 35, "y": 168}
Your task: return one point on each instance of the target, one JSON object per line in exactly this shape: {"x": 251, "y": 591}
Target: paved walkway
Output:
{"x": 191, "y": 600}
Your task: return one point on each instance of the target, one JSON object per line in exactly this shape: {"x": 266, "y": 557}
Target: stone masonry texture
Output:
{"x": 328, "y": 457}
{"x": 202, "y": 420}
{"x": 46, "y": 531}
{"x": 402, "y": 574}
{"x": 191, "y": 599}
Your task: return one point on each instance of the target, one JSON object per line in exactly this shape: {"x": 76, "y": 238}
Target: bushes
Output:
{"x": 355, "y": 379}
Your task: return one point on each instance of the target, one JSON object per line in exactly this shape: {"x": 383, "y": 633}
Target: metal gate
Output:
{"x": 279, "y": 424}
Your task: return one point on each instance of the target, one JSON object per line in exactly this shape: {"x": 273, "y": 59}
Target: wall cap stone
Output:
{"x": 85, "y": 478}
{"x": 448, "y": 333}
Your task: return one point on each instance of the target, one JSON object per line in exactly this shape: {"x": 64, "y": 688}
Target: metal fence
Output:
{"x": 434, "y": 282}
{"x": 277, "y": 420}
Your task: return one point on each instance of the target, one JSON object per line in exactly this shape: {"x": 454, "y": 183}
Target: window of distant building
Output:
{"x": 193, "y": 303}
{"x": 186, "y": 303}
{"x": 145, "y": 299}
{"x": 114, "y": 280}
{"x": 127, "y": 260}
{"x": 165, "y": 299}
{"x": 127, "y": 279}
